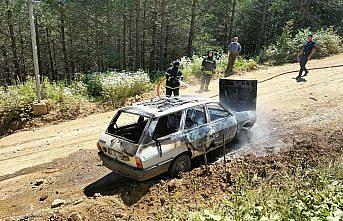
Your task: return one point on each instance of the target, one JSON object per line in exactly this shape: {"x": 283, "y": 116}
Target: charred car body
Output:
{"x": 164, "y": 134}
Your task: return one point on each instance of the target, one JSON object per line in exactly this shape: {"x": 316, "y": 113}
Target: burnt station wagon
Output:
{"x": 163, "y": 134}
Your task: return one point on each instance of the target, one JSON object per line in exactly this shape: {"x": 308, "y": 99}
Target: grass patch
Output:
{"x": 312, "y": 192}
{"x": 68, "y": 99}
{"x": 191, "y": 69}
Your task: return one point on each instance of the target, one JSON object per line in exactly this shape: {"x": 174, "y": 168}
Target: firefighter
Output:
{"x": 173, "y": 77}
{"x": 208, "y": 68}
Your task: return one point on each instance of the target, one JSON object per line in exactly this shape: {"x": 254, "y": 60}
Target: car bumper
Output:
{"x": 131, "y": 172}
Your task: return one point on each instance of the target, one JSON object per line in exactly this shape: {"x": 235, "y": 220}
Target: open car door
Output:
{"x": 238, "y": 95}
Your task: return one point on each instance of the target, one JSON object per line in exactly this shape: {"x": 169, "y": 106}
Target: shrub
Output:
{"x": 309, "y": 194}
{"x": 192, "y": 68}
{"x": 16, "y": 106}
{"x": 117, "y": 87}
{"x": 286, "y": 47}
{"x": 94, "y": 85}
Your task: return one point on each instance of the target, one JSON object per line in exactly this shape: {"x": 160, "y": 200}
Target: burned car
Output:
{"x": 163, "y": 134}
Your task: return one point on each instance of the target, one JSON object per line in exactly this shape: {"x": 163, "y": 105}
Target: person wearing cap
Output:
{"x": 173, "y": 77}
{"x": 305, "y": 54}
{"x": 208, "y": 68}
{"x": 234, "y": 49}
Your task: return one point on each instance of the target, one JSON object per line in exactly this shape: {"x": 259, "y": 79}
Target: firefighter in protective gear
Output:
{"x": 208, "y": 68}
{"x": 173, "y": 77}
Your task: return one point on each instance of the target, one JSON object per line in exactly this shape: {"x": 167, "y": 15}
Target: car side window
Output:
{"x": 195, "y": 117}
{"x": 216, "y": 112}
{"x": 168, "y": 124}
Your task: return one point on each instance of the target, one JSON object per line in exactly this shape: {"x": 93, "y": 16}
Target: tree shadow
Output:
{"x": 129, "y": 191}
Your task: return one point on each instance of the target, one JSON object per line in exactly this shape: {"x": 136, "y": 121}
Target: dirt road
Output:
{"x": 53, "y": 151}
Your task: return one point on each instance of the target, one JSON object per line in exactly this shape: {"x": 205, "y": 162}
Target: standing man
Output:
{"x": 208, "y": 68}
{"x": 234, "y": 49}
{"x": 305, "y": 55}
{"x": 173, "y": 77}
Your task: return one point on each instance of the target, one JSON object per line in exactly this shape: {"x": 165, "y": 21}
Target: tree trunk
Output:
{"x": 10, "y": 25}
{"x": 227, "y": 25}
{"x": 131, "y": 52}
{"x": 162, "y": 35}
{"x": 6, "y": 79}
{"x": 51, "y": 62}
{"x": 154, "y": 43}
{"x": 63, "y": 42}
{"x": 192, "y": 29}
{"x": 144, "y": 36}
{"x": 124, "y": 42}
{"x": 232, "y": 19}
{"x": 138, "y": 34}
{"x": 22, "y": 54}
{"x": 262, "y": 29}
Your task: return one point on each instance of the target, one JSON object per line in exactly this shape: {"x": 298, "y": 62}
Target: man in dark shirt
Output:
{"x": 305, "y": 55}
{"x": 208, "y": 68}
{"x": 173, "y": 77}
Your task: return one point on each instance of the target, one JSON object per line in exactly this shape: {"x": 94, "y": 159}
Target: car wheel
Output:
{"x": 181, "y": 163}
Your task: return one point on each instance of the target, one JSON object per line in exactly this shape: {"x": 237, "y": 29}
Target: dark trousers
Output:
{"x": 170, "y": 91}
{"x": 205, "y": 81}
{"x": 231, "y": 63}
{"x": 303, "y": 62}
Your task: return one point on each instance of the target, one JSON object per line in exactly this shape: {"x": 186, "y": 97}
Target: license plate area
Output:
{"x": 112, "y": 153}
{"x": 118, "y": 155}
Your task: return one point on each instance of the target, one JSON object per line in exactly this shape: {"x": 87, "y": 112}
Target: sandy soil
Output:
{"x": 65, "y": 155}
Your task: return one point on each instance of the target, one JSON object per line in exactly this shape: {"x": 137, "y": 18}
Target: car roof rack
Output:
{"x": 163, "y": 103}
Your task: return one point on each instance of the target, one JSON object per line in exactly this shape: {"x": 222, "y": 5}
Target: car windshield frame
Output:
{"x": 143, "y": 129}
{"x": 219, "y": 104}
{"x": 202, "y": 106}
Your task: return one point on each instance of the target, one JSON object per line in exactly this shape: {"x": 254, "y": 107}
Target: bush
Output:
{"x": 68, "y": 99}
{"x": 117, "y": 87}
{"x": 94, "y": 85}
{"x": 310, "y": 194}
{"x": 192, "y": 68}
{"x": 16, "y": 106}
{"x": 287, "y": 46}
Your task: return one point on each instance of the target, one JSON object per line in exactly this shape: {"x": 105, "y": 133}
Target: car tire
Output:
{"x": 182, "y": 163}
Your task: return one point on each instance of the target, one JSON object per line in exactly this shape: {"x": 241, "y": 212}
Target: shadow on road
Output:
{"x": 300, "y": 79}
{"x": 113, "y": 184}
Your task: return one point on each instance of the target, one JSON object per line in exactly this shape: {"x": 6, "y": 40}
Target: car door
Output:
{"x": 164, "y": 141}
{"x": 197, "y": 133}
{"x": 223, "y": 124}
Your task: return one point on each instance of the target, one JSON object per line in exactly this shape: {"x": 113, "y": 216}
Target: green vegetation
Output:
{"x": 192, "y": 68}
{"x": 142, "y": 34}
{"x": 309, "y": 194}
{"x": 288, "y": 45}
{"x": 104, "y": 88}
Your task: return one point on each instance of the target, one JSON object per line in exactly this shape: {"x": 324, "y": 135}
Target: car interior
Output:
{"x": 195, "y": 117}
{"x": 168, "y": 124}
{"x": 216, "y": 112}
{"x": 132, "y": 131}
